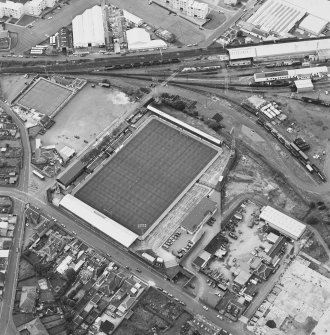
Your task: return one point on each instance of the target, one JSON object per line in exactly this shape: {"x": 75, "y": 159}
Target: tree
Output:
{"x": 313, "y": 220}
{"x": 71, "y": 275}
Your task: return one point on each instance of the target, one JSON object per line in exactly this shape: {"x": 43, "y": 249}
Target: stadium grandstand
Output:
{"x": 185, "y": 126}
{"x": 282, "y": 49}
{"x": 304, "y": 73}
{"x": 96, "y": 219}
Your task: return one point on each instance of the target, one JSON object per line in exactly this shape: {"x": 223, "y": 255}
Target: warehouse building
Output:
{"x": 304, "y": 85}
{"x": 88, "y": 28}
{"x": 281, "y": 222}
{"x": 280, "y": 50}
{"x": 277, "y": 16}
{"x": 313, "y": 25}
{"x": 139, "y": 39}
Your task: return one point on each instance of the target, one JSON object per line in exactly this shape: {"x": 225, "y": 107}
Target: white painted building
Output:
{"x": 283, "y": 223}
{"x": 17, "y": 9}
{"x": 88, "y": 30}
{"x": 189, "y": 7}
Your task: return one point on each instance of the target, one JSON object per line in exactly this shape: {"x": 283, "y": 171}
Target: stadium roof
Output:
{"x": 282, "y": 222}
{"x": 98, "y": 220}
{"x": 276, "y": 16}
{"x": 313, "y": 24}
{"x": 280, "y": 49}
{"x": 198, "y": 214}
{"x": 88, "y": 28}
{"x": 138, "y": 38}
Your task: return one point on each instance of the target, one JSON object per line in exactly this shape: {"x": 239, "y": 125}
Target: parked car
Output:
{"x": 206, "y": 308}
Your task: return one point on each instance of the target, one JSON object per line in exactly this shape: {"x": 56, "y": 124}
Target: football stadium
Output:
{"x": 141, "y": 182}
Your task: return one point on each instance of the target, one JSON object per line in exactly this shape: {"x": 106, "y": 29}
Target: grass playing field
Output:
{"x": 142, "y": 180}
{"x": 45, "y": 97}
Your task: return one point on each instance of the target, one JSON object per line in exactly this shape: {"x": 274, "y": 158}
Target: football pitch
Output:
{"x": 146, "y": 176}
{"x": 44, "y": 96}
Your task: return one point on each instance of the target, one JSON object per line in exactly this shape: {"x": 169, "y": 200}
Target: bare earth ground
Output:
{"x": 12, "y": 85}
{"x": 86, "y": 115}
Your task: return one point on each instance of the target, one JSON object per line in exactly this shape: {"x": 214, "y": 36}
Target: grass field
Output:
{"x": 142, "y": 180}
{"x": 45, "y": 96}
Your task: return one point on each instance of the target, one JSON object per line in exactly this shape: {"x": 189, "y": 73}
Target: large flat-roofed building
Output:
{"x": 88, "y": 30}
{"x": 313, "y": 25}
{"x": 199, "y": 215}
{"x": 277, "y": 16}
{"x": 280, "y": 49}
{"x": 283, "y": 223}
{"x": 139, "y": 39}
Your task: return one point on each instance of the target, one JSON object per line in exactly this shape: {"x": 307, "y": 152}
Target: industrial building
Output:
{"x": 88, "y": 30}
{"x": 313, "y": 25}
{"x": 304, "y": 85}
{"x": 277, "y": 16}
{"x": 303, "y": 73}
{"x": 16, "y": 9}
{"x": 280, "y": 50}
{"x": 189, "y": 7}
{"x": 139, "y": 39}
{"x": 281, "y": 222}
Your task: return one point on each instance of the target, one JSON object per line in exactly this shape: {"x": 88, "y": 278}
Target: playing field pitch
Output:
{"x": 44, "y": 96}
{"x": 146, "y": 176}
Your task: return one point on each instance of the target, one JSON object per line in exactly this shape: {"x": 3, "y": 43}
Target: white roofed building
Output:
{"x": 313, "y": 25}
{"x": 88, "y": 30}
{"x": 278, "y": 50}
{"x": 96, "y": 219}
{"x": 132, "y": 18}
{"x": 277, "y": 16}
{"x": 139, "y": 39}
{"x": 283, "y": 223}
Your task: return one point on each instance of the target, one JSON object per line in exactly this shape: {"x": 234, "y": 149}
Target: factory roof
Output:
{"x": 88, "y": 28}
{"x": 313, "y": 24}
{"x": 284, "y": 223}
{"x": 276, "y": 16}
{"x": 280, "y": 48}
{"x": 138, "y": 38}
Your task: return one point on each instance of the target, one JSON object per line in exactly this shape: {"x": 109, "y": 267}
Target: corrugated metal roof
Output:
{"x": 279, "y": 49}
{"x": 106, "y": 225}
{"x": 88, "y": 28}
{"x": 282, "y": 222}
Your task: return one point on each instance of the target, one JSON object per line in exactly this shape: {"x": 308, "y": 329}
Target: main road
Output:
{"x": 6, "y": 323}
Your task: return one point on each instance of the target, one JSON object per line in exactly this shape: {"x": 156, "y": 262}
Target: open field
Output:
{"x": 86, "y": 115}
{"x": 11, "y": 86}
{"x": 144, "y": 178}
{"x": 44, "y": 96}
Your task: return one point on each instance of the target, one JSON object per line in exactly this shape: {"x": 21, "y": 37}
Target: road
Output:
{"x": 13, "y": 261}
